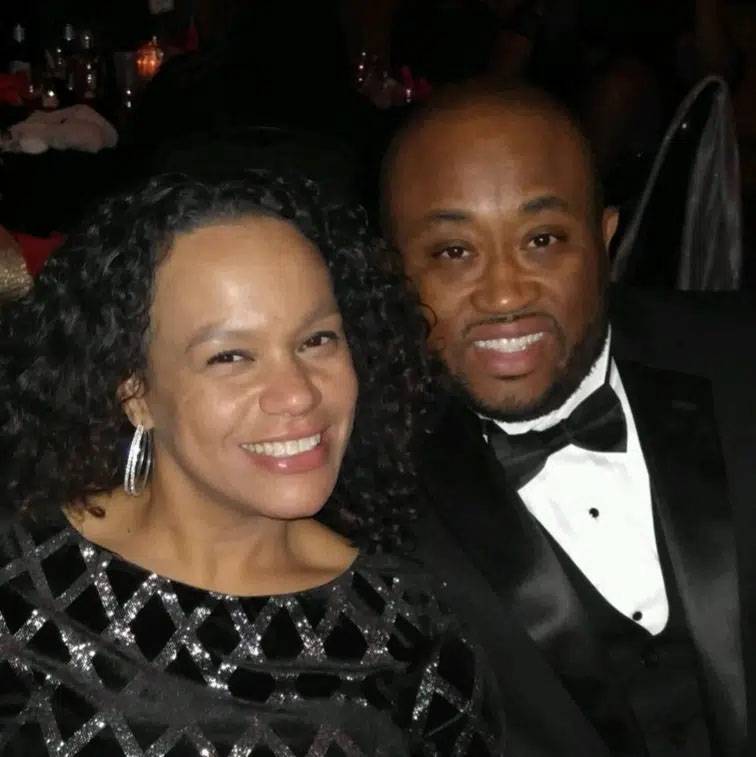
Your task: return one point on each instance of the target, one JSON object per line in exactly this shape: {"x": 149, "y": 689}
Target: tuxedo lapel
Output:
{"x": 542, "y": 718}
{"x": 673, "y": 413}
{"x": 509, "y": 548}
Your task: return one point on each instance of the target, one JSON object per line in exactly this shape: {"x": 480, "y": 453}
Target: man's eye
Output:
{"x": 229, "y": 356}
{"x": 543, "y": 240}
{"x": 452, "y": 252}
{"x": 320, "y": 339}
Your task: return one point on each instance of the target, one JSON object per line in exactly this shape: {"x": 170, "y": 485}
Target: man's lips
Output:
{"x": 511, "y": 349}
{"x": 525, "y": 326}
{"x": 510, "y": 346}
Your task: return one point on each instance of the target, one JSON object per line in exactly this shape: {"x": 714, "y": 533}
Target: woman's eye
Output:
{"x": 452, "y": 252}
{"x": 229, "y": 356}
{"x": 320, "y": 339}
{"x": 543, "y": 240}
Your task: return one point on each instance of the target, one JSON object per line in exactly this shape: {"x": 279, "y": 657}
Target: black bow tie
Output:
{"x": 596, "y": 424}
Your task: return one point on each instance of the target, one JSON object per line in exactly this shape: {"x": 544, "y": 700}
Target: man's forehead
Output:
{"x": 452, "y": 157}
{"x": 517, "y": 138}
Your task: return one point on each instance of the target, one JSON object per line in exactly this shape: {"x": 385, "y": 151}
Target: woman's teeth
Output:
{"x": 285, "y": 449}
{"x": 516, "y": 344}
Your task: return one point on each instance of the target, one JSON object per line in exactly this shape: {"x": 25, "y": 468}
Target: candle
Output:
{"x": 148, "y": 59}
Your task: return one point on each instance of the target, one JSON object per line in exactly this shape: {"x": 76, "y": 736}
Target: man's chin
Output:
{"x": 503, "y": 399}
{"x": 511, "y": 408}
{"x": 539, "y": 393}
{"x": 512, "y": 401}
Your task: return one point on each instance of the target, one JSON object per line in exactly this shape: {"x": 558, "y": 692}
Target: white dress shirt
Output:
{"x": 597, "y": 506}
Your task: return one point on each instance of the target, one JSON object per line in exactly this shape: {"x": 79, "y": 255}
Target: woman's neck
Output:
{"x": 215, "y": 547}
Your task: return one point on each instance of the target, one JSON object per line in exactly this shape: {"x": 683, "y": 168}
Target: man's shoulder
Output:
{"x": 699, "y": 332}
{"x": 671, "y": 311}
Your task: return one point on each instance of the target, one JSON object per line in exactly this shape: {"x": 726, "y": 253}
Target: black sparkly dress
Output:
{"x": 99, "y": 657}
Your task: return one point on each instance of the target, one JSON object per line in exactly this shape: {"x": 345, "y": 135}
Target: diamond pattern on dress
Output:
{"x": 99, "y": 657}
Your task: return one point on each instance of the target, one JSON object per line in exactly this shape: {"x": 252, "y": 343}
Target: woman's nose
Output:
{"x": 290, "y": 390}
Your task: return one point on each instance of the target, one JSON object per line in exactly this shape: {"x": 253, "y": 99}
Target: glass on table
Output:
{"x": 126, "y": 77}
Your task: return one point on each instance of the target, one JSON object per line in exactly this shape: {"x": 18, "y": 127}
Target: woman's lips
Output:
{"x": 292, "y": 455}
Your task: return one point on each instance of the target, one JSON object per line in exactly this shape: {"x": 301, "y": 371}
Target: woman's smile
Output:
{"x": 291, "y": 454}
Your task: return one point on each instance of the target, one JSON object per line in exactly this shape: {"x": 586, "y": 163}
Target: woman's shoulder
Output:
{"x": 399, "y": 569}
{"x": 34, "y": 552}
{"x": 455, "y": 691}
{"x": 26, "y": 535}
{"x": 400, "y": 586}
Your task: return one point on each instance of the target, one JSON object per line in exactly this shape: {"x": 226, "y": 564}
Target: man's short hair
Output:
{"x": 518, "y": 96}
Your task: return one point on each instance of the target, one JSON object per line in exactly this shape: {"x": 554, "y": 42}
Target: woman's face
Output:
{"x": 250, "y": 388}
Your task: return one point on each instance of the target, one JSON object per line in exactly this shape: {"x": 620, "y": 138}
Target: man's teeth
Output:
{"x": 285, "y": 449}
{"x": 516, "y": 344}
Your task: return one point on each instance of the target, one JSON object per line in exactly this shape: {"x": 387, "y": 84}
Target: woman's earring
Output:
{"x": 139, "y": 462}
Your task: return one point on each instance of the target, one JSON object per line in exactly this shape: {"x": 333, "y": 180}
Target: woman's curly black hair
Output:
{"x": 69, "y": 344}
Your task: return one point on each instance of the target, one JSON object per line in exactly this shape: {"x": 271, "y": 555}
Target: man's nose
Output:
{"x": 504, "y": 286}
{"x": 290, "y": 390}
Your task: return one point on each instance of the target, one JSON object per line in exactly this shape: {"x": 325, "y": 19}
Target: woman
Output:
{"x": 176, "y": 594}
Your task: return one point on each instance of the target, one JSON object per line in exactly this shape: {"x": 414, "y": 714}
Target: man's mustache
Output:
{"x": 506, "y": 318}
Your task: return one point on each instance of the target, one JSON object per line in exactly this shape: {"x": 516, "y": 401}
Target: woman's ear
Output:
{"x": 131, "y": 393}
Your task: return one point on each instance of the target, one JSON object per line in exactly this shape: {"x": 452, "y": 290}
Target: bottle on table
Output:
{"x": 69, "y": 48}
{"x": 68, "y": 41}
{"x": 88, "y": 69}
{"x": 19, "y": 54}
{"x": 59, "y": 85}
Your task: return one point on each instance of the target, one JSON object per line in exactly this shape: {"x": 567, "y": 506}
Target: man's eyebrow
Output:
{"x": 441, "y": 215}
{"x": 534, "y": 205}
{"x": 544, "y": 202}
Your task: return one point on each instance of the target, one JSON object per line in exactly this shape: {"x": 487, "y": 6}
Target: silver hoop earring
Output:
{"x": 138, "y": 462}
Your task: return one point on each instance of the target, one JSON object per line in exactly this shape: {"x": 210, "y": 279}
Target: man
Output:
{"x": 586, "y": 472}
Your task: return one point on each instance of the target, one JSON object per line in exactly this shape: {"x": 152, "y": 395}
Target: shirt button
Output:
{"x": 593, "y": 512}
{"x": 637, "y": 615}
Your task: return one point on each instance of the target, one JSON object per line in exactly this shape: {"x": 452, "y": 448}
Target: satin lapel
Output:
{"x": 508, "y": 547}
{"x": 675, "y": 419}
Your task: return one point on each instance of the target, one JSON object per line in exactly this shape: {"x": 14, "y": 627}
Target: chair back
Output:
{"x": 686, "y": 232}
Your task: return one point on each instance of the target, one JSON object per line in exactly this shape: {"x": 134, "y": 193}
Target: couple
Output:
{"x": 574, "y": 507}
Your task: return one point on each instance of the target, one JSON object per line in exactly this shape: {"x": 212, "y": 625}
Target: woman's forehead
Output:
{"x": 255, "y": 271}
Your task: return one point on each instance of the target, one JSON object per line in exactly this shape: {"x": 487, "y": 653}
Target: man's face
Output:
{"x": 492, "y": 209}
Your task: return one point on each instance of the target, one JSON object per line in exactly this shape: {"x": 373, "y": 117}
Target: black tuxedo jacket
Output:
{"x": 688, "y": 364}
